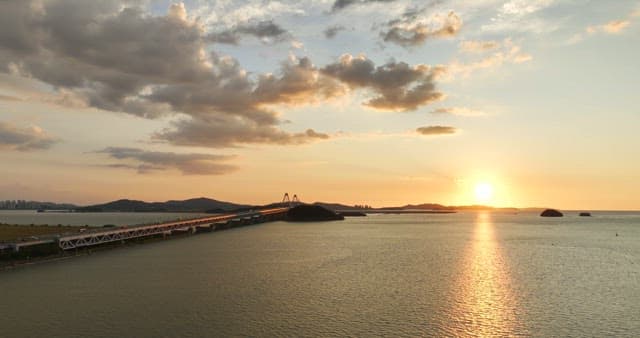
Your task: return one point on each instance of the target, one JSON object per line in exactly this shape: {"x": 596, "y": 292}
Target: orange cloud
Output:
{"x": 612, "y": 27}
{"x": 437, "y": 130}
{"x": 475, "y": 46}
{"x": 24, "y": 139}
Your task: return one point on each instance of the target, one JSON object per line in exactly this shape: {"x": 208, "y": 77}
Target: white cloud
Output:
{"x": 229, "y": 14}
{"x": 612, "y": 27}
{"x": 507, "y": 52}
{"x": 477, "y": 46}
{"x": 520, "y": 16}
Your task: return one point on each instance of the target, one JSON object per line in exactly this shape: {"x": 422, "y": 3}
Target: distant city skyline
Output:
{"x": 507, "y": 103}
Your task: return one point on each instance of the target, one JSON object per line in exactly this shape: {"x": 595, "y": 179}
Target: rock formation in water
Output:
{"x": 551, "y": 213}
{"x": 312, "y": 213}
{"x": 585, "y": 214}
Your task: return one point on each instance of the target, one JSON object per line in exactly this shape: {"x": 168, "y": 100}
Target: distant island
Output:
{"x": 412, "y": 207}
{"x": 208, "y": 205}
{"x": 202, "y": 204}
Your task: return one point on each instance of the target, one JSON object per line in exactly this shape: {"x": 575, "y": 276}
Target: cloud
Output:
{"x": 235, "y": 113}
{"x": 460, "y": 111}
{"x": 114, "y": 57}
{"x": 436, "y": 130}
{"x": 612, "y": 27}
{"x": 266, "y": 31}
{"x": 399, "y": 86}
{"x": 298, "y": 82}
{"x": 332, "y": 31}
{"x": 415, "y": 27}
{"x": 473, "y": 46}
{"x": 229, "y": 131}
{"x": 117, "y": 58}
{"x": 230, "y": 13}
{"x": 140, "y": 168}
{"x": 507, "y": 53}
{"x": 189, "y": 164}
{"x": 24, "y": 139}
{"x": 341, "y": 4}
{"x": 108, "y": 54}
{"x": 520, "y": 16}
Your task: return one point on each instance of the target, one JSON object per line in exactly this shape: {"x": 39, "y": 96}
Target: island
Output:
{"x": 312, "y": 213}
{"x": 551, "y": 213}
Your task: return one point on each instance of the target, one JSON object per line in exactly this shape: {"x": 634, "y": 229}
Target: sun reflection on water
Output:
{"x": 484, "y": 304}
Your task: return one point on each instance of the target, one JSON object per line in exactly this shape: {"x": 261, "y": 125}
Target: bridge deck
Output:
{"x": 101, "y": 236}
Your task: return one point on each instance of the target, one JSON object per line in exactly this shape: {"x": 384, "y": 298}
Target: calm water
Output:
{"x": 470, "y": 274}
{"x": 89, "y": 218}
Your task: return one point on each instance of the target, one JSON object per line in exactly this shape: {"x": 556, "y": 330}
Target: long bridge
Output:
{"x": 205, "y": 224}
{"x": 100, "y": 236}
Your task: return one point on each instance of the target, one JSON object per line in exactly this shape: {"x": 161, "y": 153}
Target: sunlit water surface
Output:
{"x": 467, "y": 274}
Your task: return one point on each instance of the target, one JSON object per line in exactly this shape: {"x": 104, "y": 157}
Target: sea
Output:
{"x": 92, "y": 219}
{"x": 469, "y": 274}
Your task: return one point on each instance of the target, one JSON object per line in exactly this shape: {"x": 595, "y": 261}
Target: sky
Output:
{"x": 379, "y": 102}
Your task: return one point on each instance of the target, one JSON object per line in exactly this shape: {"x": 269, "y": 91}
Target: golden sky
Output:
{"x": 507, "y": 103}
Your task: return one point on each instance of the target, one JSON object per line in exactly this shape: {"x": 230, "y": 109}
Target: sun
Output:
{"x": 484, "y": 192}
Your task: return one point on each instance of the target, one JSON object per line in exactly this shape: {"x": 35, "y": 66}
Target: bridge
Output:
{"x": 100, "y": 236}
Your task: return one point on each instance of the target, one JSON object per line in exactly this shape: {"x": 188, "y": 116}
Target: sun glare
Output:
{"x": 484, "y": 192}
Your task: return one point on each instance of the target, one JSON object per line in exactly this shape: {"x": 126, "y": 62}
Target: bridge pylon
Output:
{"x": 290, "y": 201}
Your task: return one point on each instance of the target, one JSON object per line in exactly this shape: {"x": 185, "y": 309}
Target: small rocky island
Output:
{"x": 312, "y": 213}
{"x": 585, "y": 214}
{"x": 551, "y": 213}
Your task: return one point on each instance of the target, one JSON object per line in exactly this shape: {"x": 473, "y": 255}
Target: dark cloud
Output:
{"x": 332, "y": 31}
{"x": 261, "y": 30}
{"x": 108, "y": 53}
{"x": 188, "y": 164}
{"x": 119, "y": 58}
{"x": 297, "y": 82}
{"x": 414, "y": 28}
{"x": 341, "y": 4}
{"x": 235, "y": 113}
{"x": 437, "y": 130}
{"x": 24, "y": 139}
{"x": 399, "y": 86}
{"x": 116, "y": 57}
{"x": 229, "y": 131}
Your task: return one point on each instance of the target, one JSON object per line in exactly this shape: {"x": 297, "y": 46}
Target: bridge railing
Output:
{"x": 68, "y": 242}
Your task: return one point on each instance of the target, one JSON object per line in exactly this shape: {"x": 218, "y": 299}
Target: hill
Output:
{"x": 191, "y": 205}
{"x": 427, "y": 206}
{"x": 336, "y": 206}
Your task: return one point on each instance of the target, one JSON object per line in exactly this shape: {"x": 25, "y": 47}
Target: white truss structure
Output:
{"x": 125, "y": 233}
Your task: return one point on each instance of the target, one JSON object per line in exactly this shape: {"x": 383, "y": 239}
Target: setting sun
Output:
{"x": 484, "y": 192}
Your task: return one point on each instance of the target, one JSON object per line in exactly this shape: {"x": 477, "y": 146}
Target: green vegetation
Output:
{"x": 10, "y": 233}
